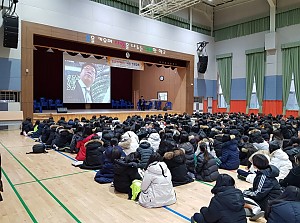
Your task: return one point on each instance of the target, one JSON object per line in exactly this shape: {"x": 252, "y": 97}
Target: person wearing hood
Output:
{"x": 154, "y": 140}
{"x": 293, "y": 178}
{"x": 156, "y": 189}
{"x": 144, "y": 151}
{"x": 106, "y": 173}
{"x": 286, "y": 208}
{"x": 129, "y": 142}
{"x": 265, "y": 185}
{"x": 279, "y": 159}
{"x": 125, "y": 171}
{"x": 230, "y": 153}
{"x": 227, "y": 205}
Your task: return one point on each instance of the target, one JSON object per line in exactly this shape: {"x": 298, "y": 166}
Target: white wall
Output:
{"x": 237, "y": 47}
{"x": 94, "y": 18}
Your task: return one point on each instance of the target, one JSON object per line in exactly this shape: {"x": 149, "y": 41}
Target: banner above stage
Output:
{"x": 125, "y": 63}
{"x": 99, "y": 40}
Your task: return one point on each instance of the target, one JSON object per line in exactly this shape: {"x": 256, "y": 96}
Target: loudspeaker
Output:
{"x": 11, "y": 31}
{"x": 62, "y": 110}
{"x": 202, "y": 64}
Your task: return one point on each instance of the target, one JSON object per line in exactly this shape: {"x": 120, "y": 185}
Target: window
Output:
{"x": 163, "y": 96}
{"x": 292, "y": 100}
{"x": 198, "y": 99}
{"x": 221, "y": 99}
{"x": 254, "y": 101}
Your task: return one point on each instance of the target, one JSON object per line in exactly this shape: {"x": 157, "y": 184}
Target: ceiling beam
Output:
{"x": 272, "y": 3}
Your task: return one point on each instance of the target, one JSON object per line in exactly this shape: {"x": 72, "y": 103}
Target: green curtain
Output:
{"x": 255, "y": 67}
{"x": 225, "y": 73}
{"x": 260, "y": 78}
{"x": 242, "y": 29}
{"x": 250, "y": 70}
{"x": 285, "y": 18}
{"x": 290, "y": 65}
{"x": 288, "y": 18}
{"x": 296, "y": 75}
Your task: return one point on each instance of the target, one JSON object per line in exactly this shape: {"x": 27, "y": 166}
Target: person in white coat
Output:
{"x": 154, "y": 140}
{"x": 129, "y": 142}
{"x": 157, "y": 189}
{"x": 279, "y": 159}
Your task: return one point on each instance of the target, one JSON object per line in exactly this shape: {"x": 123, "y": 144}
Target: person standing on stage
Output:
{"x": 142, "y": 103}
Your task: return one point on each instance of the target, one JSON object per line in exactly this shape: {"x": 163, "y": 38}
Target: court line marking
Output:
{"x": 19, "y": 197}
{"x": 165, "y": 207}
{"x": 49, "y": 178}
{"x": 42, "y": 185}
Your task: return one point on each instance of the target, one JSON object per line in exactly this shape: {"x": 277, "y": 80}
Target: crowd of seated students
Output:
{"x": 172, "y": 150}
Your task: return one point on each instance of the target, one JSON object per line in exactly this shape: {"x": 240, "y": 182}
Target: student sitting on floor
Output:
{"x": 144, "y": 151}
{"x": 293, "y": 178}
{"x": 175, "y": 161}
{"x": 265, "y": 186}
{"x": 230, "y": 153}
{"x": 227, "y": 205}
{"x": 125, "y": 171}
{"x": 279, "y": 159}
{"x": 156, "y": 188}
{"x": 206, "y": 167}
{"x": 27, "y": 126}
{"x": 106, "y": 173}
{"x": 94, "y": 154}
{"x": 250, "y": 174}
{"x": 286, "y": 208}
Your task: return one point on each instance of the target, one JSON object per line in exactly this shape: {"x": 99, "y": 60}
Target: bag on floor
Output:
{"x": 38, "y": 148}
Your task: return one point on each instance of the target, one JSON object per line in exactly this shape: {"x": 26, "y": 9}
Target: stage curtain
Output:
{"x": 225, "y": 73}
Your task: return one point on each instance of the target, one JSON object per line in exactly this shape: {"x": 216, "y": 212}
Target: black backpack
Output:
{"x": 38, "y": 148}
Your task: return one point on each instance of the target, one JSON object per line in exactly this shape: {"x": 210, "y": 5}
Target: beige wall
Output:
{"x": 147, "y": 83}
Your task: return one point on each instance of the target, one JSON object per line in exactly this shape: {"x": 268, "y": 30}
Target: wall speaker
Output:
{"x": 202, "y": 64}
{"x": 11, "y": 31}
{"x": 62, "y": 110}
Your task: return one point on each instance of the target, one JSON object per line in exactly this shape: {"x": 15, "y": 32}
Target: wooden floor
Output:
{"x": 47, "y": 188}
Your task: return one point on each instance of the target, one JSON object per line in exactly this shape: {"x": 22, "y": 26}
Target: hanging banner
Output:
{"x": 124, "y": 63}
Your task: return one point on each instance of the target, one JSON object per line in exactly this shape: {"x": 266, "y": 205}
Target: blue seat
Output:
{"x": 123, "y": 103}
{"x": 168, "y": 105}
{"x": 44, "y": 102}
{"x": 51, "y": 104}
{"x": 37, "y": 106}
{"x": 58, "y": 103}
{"x": 115, "y": 104}
{"x": 149, "y": 105}
{"x": 157, "y": 105}
{"x": 129, "y": 104}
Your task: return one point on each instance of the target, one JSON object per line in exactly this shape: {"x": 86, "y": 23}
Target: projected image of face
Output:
{"x": 88, "y": 74}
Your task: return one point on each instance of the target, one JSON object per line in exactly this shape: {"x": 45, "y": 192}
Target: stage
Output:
{"x": 121, "y": 114}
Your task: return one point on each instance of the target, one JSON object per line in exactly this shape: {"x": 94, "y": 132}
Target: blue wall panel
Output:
{"x": 273, "y": 88}
{"x": 10, "y": 74}
{"x": 238, "y": 89}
